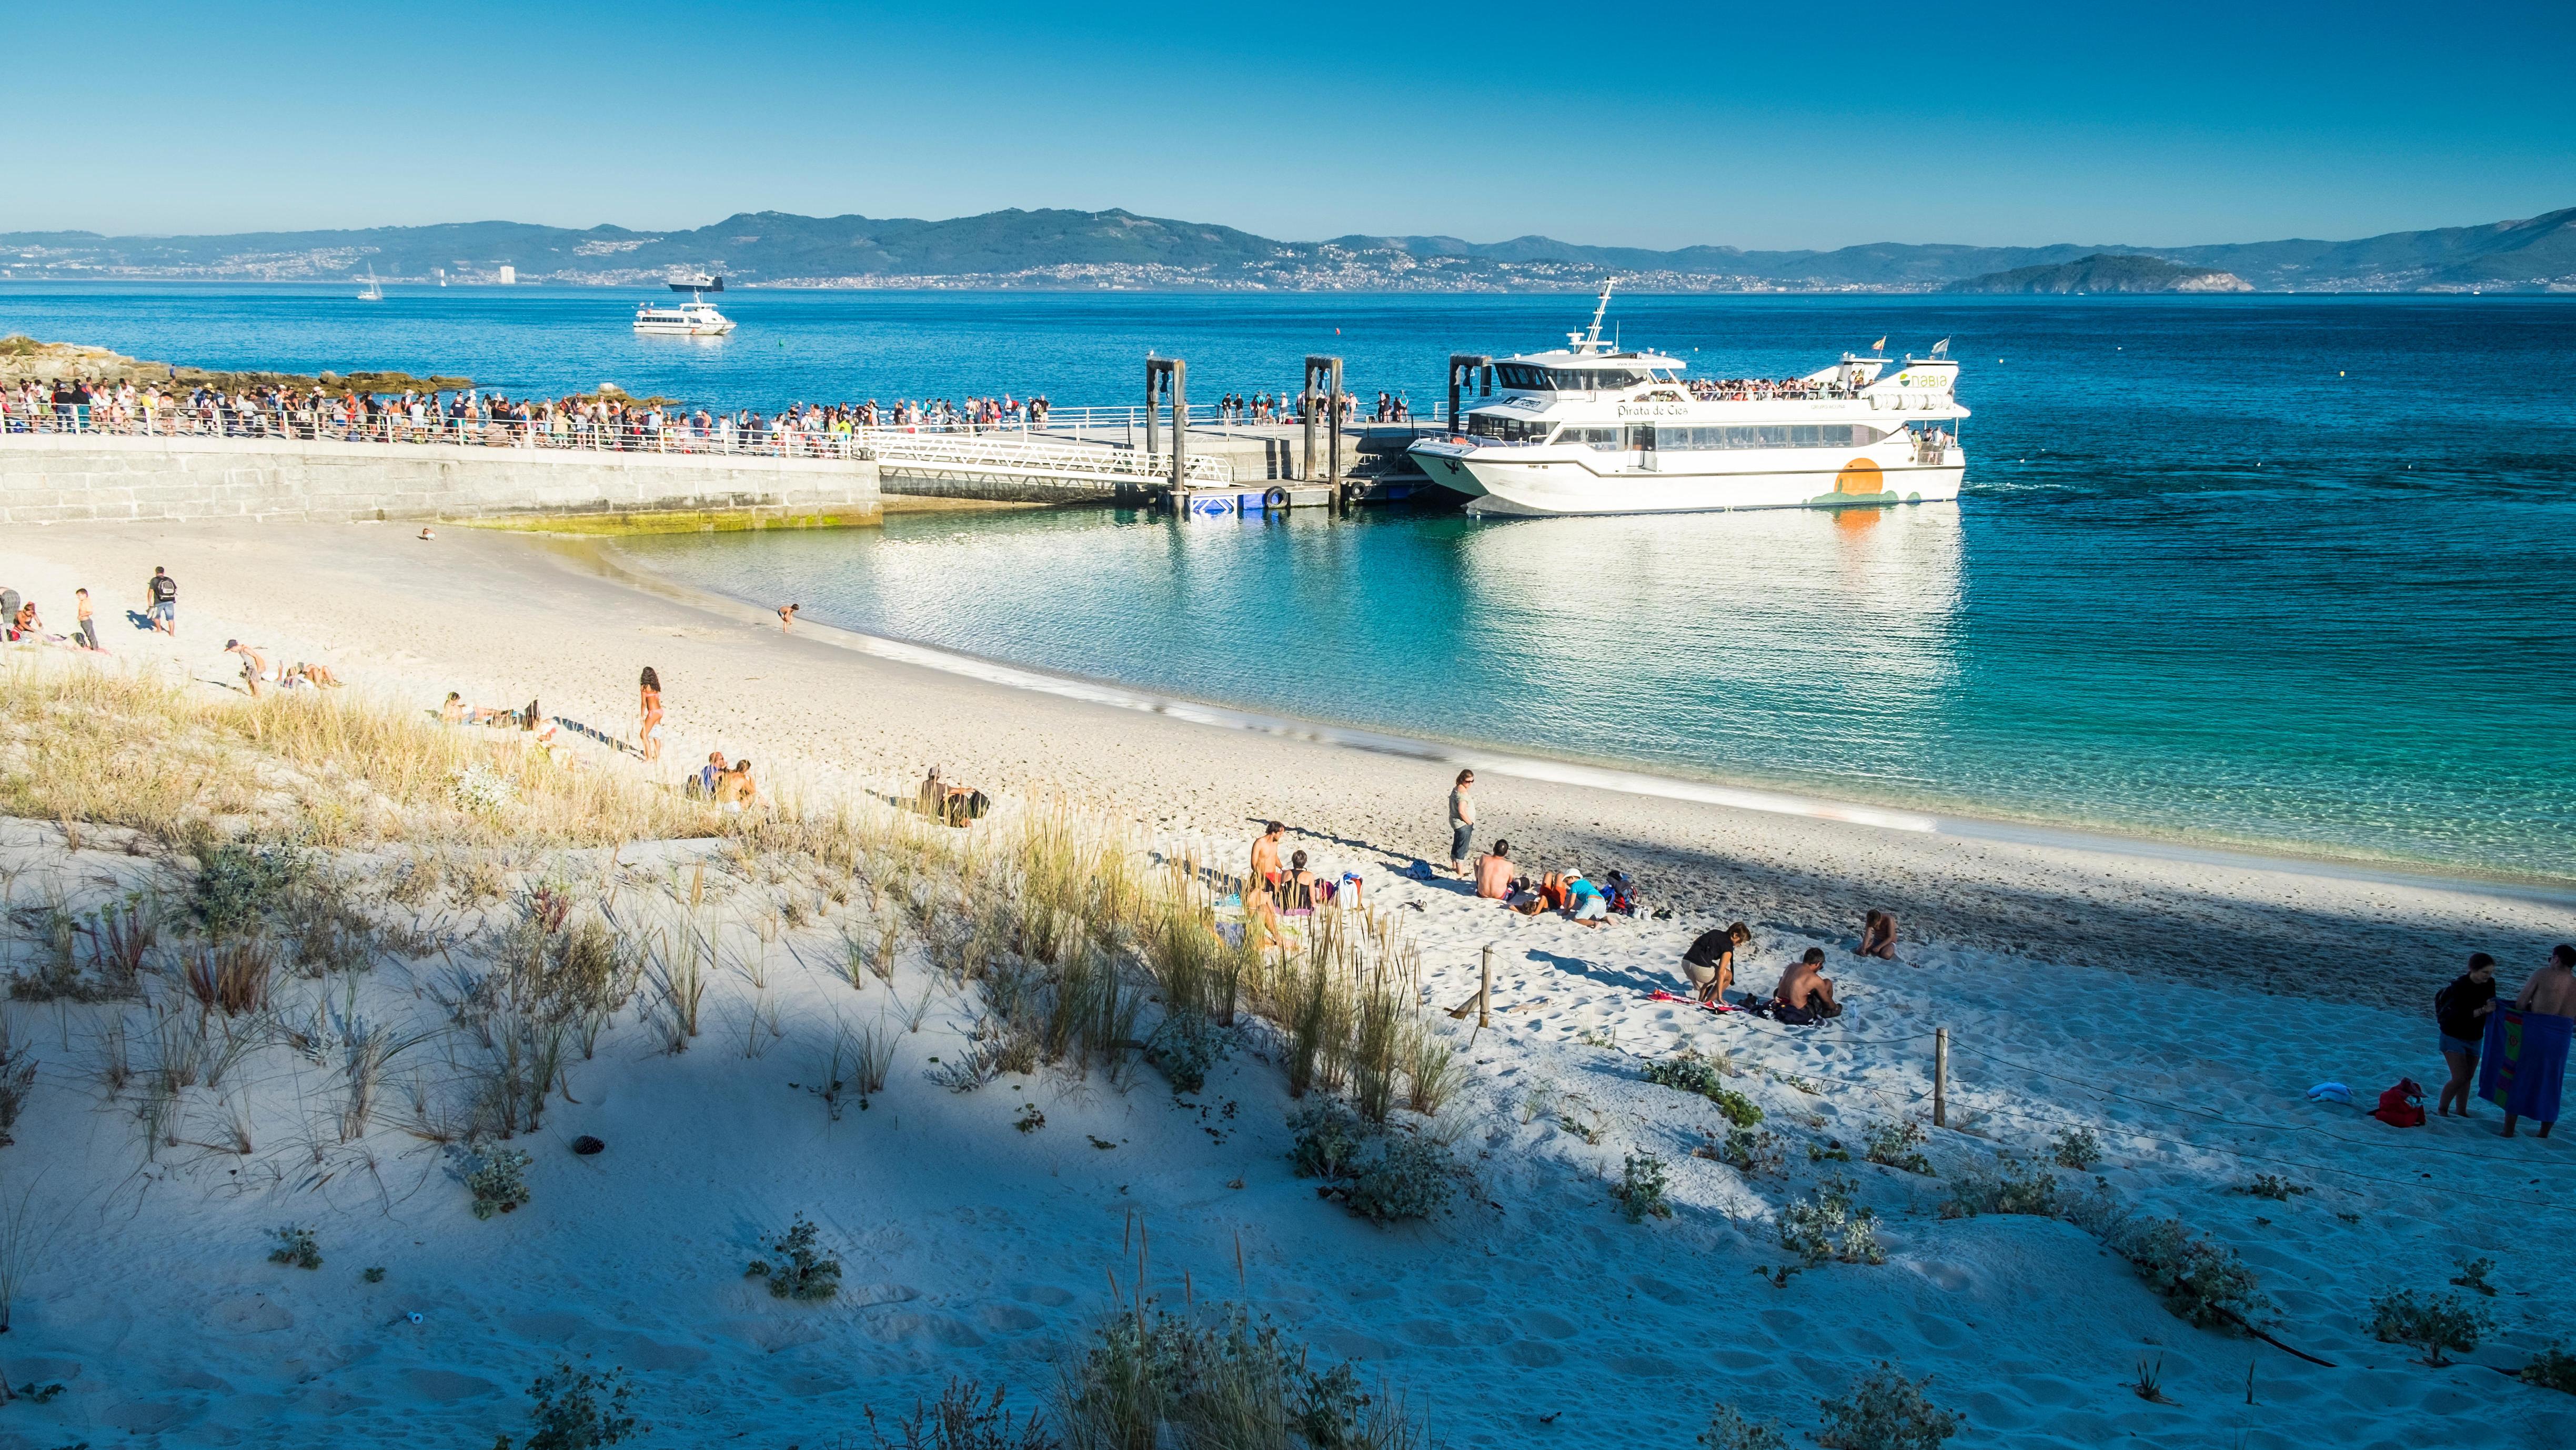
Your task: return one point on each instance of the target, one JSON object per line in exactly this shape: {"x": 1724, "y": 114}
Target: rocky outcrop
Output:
{"x": 22, "y": 358}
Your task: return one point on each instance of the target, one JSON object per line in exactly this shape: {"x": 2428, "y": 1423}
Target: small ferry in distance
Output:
{"x": 693, "y": 318}
{"x": 1584, "y": 430}
{"x": 697, "y": 282}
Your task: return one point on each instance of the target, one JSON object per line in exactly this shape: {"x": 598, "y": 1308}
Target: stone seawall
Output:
{"x": 52, "y": 478}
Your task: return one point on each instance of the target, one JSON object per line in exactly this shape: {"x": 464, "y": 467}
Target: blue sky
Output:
{"x": 1757, "y": 126}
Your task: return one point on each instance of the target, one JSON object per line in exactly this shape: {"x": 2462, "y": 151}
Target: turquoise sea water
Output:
{"x": 2288, "y": 572}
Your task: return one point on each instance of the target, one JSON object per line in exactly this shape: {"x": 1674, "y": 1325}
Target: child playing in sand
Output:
{"x": 1805, "y": 995}
{"x": 84, "y": 628}
{"x": 787, "y": 616}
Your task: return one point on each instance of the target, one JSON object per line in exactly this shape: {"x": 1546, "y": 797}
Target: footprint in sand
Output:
{"x": 1669, "y": 1293}
{"x": 446, "y": 1386}
{"x": 1010, "y": 1318}
{"x": 1047, "y": 1294}
{"x": 547, "y": 1328}
{"x": 1539, "y": 1321}
{"x": 250, "y": 1314}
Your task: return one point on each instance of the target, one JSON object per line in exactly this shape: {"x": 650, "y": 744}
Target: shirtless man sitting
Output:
{"x": 1805, "y": 995}
{"x": 1494, "y": 872}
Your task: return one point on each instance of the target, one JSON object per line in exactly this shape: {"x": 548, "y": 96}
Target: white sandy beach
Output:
{"x": 2178, "y": 1006}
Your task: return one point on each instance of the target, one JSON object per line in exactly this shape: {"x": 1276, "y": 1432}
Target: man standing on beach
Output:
{"x": 2537, "y": 1035}
{"x": 161, "y": 593}
{"x": 1265, "y": 853}
{"x": 1462, "y": 823}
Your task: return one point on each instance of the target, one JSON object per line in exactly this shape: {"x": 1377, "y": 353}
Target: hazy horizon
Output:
{"x": 2009, "y": 126}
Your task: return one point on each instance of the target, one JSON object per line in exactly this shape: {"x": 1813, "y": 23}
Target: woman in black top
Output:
{"x": 2462, "y": 1009}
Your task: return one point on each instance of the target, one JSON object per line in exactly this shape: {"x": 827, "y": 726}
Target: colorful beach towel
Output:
{"x": 2524, "y": 1062}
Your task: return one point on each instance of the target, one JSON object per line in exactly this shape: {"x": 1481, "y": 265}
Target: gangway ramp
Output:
{"x": 1018, "y": 467}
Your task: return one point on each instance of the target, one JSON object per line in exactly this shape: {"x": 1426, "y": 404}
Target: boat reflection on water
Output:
{"x": 1797, "y": 640}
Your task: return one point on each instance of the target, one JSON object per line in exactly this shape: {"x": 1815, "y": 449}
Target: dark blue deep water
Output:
{"x": 2278, "y": 571}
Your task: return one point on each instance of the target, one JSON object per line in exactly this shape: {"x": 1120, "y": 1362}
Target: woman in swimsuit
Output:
{"x": 652, "y": 688}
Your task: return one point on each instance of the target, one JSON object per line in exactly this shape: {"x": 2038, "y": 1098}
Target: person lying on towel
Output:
{"x": 1805, "y": 995}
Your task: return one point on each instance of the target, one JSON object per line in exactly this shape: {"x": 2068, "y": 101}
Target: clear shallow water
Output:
{"x": 2281, "y": 571}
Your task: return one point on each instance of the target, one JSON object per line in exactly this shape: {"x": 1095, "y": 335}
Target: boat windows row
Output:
{"x": 1667, "y": 438}
{"x": 1528, "y": 378}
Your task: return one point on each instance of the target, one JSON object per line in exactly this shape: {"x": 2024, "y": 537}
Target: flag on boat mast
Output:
{"x": 1940, "y": 347}
{"x": 1879, "y": 346}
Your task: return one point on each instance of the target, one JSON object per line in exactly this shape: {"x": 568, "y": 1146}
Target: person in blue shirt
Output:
{"x": 1584, "y": 901}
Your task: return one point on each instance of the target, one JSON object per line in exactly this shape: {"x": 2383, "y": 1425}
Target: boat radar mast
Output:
{"x": 1588, "y": 344}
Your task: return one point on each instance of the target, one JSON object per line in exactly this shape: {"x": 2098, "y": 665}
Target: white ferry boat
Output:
{"x": 1584, "y": 430}
{"x": 693, "y": 318}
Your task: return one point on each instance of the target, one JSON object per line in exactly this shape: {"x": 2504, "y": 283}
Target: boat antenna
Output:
{"x": 1590, "y": 342}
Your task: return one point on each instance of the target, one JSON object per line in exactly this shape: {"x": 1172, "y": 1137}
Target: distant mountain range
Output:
{"x": 2107, "y": 272}
{"x": 1103, "y": 249}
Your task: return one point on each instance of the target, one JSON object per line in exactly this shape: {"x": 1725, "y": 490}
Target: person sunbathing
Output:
{"x": 453, "y": 710}
{"x": 1878, "y": 935}
{"x": 1494, "y": 872}
{"x": 703, "y": 784}
{"x": 1261, "y": 924}
{"x": 737, "y": 790}
{"x": 321, "y": 676}
{"x": 1710, "y": 962}
{"x": 1805, "y": 995}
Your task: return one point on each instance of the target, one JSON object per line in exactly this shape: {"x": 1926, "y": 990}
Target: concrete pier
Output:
{"x": 48, "y": 478}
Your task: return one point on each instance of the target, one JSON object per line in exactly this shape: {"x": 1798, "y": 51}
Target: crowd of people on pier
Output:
{"x": 607, "y": 418}
{"x": 603, "y": 419}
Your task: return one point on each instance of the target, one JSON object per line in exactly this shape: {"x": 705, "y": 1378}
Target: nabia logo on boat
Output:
{"x": 1931, "y": 382}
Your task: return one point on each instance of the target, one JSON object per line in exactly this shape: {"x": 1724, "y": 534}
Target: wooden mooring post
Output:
{"x": 1485, "y": 989}
{"x": 1941, "y": 1077}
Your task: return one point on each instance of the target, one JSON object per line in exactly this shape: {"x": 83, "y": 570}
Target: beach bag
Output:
{"x": 2401, "y": 1106}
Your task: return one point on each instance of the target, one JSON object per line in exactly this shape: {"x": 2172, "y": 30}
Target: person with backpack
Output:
{"x": 161, "y": 594}
{"x": 2461, "y": 1009}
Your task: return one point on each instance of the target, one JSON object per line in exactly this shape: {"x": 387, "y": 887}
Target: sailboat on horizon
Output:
{"x": 374, "y": 291}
